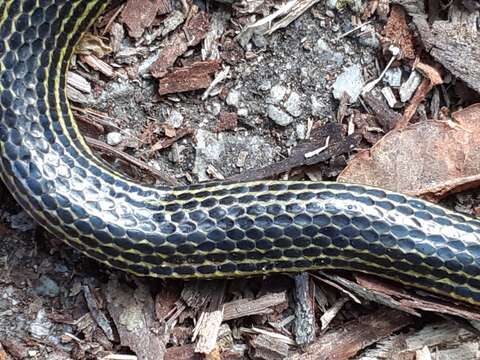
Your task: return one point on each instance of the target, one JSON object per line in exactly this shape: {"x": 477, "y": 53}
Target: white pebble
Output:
{"x": 114, "y": 138}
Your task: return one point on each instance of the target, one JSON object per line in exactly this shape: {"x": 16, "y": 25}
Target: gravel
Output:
{"x": 47, "y": 287}
{"x": 278, "y": 116}
{"x": 409, "y": 87}
{"x": 233, "y": 98}
{"x": 349, "y": 81}
{"x": 114, "y": 138}
{"x": 175, "y": 119}
{"x": 293, "y": 105}
{"x": 277, "y": 94}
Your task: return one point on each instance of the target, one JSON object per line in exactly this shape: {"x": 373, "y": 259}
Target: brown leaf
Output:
{"x": 91, "y": 44}
{"x": 169, "y": 130}
{"x": 429, "y": 159}
{"x": 167, "y": 142}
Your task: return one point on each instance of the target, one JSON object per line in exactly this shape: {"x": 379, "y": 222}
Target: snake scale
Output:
{"x": 200, "y": 231}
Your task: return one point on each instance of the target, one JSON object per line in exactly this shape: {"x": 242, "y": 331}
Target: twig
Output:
{"x": 353, "y": 30}
{"x": 99, "y": 145}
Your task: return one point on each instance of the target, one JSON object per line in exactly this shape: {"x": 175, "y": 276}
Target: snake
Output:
{"x": 200, "y": 231}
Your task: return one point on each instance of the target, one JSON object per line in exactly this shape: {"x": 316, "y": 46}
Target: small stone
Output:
{"x": 318, "y": 108}
{"x": 114, "y": 138}
{"x": 208, "y": 148}
{"x": 278, "y": 116}
{"x": 243, "y": 112}
{"x": 172, "y": 22}
{"x": 409, "y": 87}
{"x": 330, "y": 14}
{"x": 265, "y": 85}
{"x": 233, "y": 98}
{"x": 259, "y": 41}
{"x": 175, "y": 119}
{"x": 293, "y": 105}
{"x": 22, "y": 222}
{"x": 301, "y": 131}
{"x": 325, "y": 53}
{"x": 322, "y": 46}
{"x": 242, "y": 158}
{"x": 47, "y": 287}
{"x": 369, "y": 38}
{"x": 389, "y": 96}
{"x": 351, "y": 82}
{"x": 214, "y": 108}
{"x": 393, "y": 77}
{"x": 41, "y": 326}
{"x": 277, "y": 93}
{"x": 331, "y": 4}
{"x": 61, "y": 268}
{"x": 216, "y": 154}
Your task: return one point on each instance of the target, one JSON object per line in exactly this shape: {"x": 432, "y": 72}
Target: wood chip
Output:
{"x": 226, "y": 121}
{"x": 283, "y": 338}
{"x": 185, "y": 352}
{"x": 139, "y": 14}
{"x": 304, "y": 328}
{"x": 446, "y": 334}
{"x": 78, "y": 82}
{"x": 269, "y": 348}
{"x": 385, "y": 116}
{"x": 353, "y": 336}
{"x": 190, "y": 35}
{"x": 409, "y": 300}
{"x": 97, "y": 315}
{"x": 97, "y": 64}
{"x": 247, "y": 307}
{"x": 169, "y": 141}
{"x": 14, "y": 347}
{"x": 359, "y": 291}
{"x": 208, "y": 325}
{"x": 133, "y": 312}
{"x": 397, "y": 33}
{"x": 455, "y": 43}
{"x": 192, "y": 77}
{"x": 330, "y": 314}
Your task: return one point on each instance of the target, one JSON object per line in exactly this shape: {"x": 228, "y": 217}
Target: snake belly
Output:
{"x": 200, "y": 231}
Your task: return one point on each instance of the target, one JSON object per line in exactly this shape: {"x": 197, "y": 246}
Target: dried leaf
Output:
{"x": 91, "y": 44}
{"x": 429, "y": 159}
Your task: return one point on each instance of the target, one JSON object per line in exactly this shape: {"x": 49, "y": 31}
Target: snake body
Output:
{"x": 200, "y": 231}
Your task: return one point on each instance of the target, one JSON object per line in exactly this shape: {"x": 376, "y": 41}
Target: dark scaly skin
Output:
{"x": 202, "y": 231}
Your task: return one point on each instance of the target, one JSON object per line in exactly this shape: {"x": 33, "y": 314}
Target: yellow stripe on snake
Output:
{"x": 201, "y": 231}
